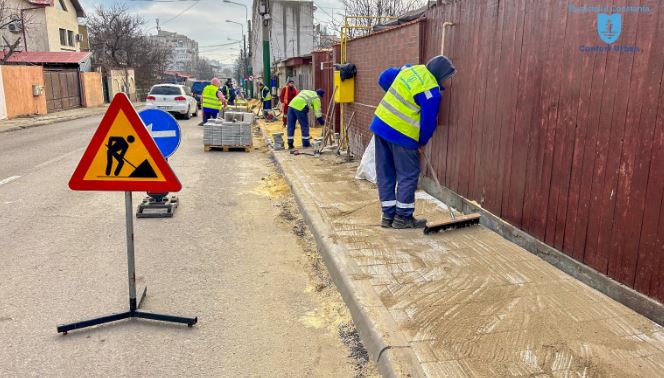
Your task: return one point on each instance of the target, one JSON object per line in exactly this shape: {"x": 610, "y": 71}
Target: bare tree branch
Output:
{"x": 117, "y": 40}
{"x": 13, "y": 15}
{"x": 372, "y": 8}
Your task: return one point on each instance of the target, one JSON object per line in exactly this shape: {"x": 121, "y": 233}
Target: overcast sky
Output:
{"x": 204, "y": 20}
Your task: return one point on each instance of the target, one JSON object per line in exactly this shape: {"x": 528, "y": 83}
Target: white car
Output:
{"x": 173, "y": 98}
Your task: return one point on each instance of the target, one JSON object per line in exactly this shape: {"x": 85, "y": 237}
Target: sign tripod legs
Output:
{"x": 133, "y": 305}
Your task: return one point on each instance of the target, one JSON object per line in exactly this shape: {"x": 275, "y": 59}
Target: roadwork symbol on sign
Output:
{"x": 123, "y": 156}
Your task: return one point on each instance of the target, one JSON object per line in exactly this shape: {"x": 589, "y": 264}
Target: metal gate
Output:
{"x": 63, "y": 89}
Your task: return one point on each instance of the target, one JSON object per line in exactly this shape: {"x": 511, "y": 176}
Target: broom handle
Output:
{"x": 435, "y": 178}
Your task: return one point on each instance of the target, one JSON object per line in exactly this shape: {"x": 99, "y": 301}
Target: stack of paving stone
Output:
{"x": 235, "y": 133}
{"x": 239, "y": 117}
{"x": 278, "y": 139}
{"x": 212, "y": 132}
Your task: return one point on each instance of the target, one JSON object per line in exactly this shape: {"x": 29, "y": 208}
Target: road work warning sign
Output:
{"x": 123, "y": 156}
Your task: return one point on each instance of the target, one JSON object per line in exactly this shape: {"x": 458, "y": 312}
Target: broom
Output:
{"x": 454, "y": 222}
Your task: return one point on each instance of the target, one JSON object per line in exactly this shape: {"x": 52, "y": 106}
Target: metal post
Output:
{"x": 129, "y": 210}
{"x": 250, "y": 70}
{"x": 266, "y": 53}
{"x": 133, "y": 312}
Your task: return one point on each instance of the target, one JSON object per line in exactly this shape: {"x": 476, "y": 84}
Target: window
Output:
{"x": 166, "y": 90}
{"x": 70, "y": 35}
{"x": 63, "y": 37}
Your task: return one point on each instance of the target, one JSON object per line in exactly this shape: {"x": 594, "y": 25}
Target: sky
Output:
{"x": 204, "y": 20}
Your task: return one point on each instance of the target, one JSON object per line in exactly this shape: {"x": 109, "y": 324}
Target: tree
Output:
{"x": 204, "y": 70}
{"x": 373, "y": 8}
{"x": 14, "y": 25}
{"x": 117, "y": 40}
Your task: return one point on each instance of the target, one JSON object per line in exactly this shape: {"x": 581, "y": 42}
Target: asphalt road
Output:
{"x": 226, "y": 257}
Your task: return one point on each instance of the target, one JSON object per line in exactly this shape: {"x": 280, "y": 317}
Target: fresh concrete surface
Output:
{"x": 467, "y": 302}
{"x": 234, "y": 255}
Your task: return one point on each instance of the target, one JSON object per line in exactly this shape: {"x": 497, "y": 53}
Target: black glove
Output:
{"x": 320, "y": 120}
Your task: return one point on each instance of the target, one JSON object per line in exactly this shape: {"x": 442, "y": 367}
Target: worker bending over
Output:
{"x": 403, "y": 123}
{"x": 298, "y": 110}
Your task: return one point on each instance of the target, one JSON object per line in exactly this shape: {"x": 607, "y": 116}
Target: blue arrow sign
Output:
{"x": 163, "y": 128}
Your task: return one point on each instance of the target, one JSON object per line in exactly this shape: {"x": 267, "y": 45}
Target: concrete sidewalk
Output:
{"x": 465, "y": 302}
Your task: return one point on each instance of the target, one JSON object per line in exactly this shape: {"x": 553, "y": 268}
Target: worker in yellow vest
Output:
{"x": 298, "y": 110}
{"x": 266, "y": 99}
{"x": 212, "y": 100}
{"x": 403, "y": 123}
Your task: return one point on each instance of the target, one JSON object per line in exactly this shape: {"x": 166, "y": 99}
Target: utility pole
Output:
{"x": 264, "y": 11}
{"x": 250, "y": 71}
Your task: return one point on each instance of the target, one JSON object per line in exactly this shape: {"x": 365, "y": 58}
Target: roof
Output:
{"x": 403, "y": 19}
{"x": 297, "y": 60}
{"x": 79, "y": 9}
{"x": 52, "y": 57}
{"x": 49, "y": 3}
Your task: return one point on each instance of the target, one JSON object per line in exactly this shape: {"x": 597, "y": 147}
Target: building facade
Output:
{"x": 185, "y": 50}
{"x": 290, "y": 27}
{"x": 43, "y": 25}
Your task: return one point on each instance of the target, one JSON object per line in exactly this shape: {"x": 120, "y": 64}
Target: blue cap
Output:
{"x": 320, "y": 92}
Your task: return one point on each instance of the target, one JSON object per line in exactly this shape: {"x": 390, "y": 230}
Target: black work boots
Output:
{"x": 409, "y": 222}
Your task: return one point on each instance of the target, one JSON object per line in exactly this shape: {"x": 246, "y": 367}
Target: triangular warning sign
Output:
{"x": 123, "y": 156}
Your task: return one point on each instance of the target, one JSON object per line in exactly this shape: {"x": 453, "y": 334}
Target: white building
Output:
{"x": 43, "y": 25}
{"x": 185, "y": 50}
{"x": 291, "y": 30}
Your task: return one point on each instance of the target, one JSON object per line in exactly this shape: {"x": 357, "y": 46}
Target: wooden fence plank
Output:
{"x": 535, "y": 146}
{"x": 610, "y": 187}
{"x": 633, "y": 164}
{"x": 567, "y": 124}
{"x": 489, "y": 123}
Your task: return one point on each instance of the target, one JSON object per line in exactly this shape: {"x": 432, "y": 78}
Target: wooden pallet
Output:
{"x": 245, "y": 148}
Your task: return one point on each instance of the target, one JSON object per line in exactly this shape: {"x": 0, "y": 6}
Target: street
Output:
{"x": 236, "y": 255}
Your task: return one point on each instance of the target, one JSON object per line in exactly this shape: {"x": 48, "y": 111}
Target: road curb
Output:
{"x": 386, "y": 345}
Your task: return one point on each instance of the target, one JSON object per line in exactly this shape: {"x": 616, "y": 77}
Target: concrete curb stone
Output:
{"x": 386, "y": 344}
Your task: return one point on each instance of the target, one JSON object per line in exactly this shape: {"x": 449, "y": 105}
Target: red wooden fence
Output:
{"x": 564, "y": 143}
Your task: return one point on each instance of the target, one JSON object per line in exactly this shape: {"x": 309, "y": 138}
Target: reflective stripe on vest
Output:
{"x": 398, "y": 108}
{"x": 307, "y": 98}
{"x": 209, "y": 98}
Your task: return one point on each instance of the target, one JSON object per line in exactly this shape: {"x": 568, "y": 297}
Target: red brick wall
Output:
{"x": 372, "y": 55}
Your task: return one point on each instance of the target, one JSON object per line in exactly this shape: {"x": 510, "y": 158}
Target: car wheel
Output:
{"x": 195, "y": 111}
{"x": 187, "y": 115}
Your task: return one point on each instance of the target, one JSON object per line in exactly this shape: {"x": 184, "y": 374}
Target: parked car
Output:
{"x": 197, "y": 90}
{"x": 173, "y": 98}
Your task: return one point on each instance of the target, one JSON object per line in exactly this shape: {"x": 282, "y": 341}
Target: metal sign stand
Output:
{"x": 133, "y": 306}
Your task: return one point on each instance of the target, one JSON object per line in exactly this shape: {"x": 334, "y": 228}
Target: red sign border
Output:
{"x": 121, "y": 102}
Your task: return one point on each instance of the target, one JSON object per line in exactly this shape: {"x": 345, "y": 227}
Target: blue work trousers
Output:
{"x": 303, "y": 117}
{"x": 209, "y": 113}
{"x": 397, "y": 172}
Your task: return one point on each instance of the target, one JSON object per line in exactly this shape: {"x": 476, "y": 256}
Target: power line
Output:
{"x": 196, "y": 2}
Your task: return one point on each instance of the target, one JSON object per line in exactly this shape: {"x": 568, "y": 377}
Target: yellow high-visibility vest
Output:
{"x": 209, "y": 98}
{"x": 307, "y": 98}
{"x": 265, "y": 94}
{"x": 398, "y": 108}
